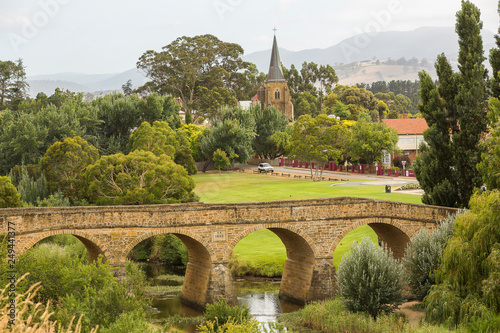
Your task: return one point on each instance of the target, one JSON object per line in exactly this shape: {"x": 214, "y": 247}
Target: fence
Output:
{"x": 360, "y": 168}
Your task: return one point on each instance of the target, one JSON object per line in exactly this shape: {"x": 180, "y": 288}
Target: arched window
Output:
{"x": 277, "y": 94}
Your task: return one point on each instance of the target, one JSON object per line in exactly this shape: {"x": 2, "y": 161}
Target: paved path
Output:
{"x": 364, "y": 179}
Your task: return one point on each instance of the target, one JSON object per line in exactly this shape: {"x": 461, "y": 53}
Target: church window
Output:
{"x": 277, "y": 94}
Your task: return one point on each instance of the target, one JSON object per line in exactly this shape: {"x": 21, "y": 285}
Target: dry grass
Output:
{"x": 31, "y": 317}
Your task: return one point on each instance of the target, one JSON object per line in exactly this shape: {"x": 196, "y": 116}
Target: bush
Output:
{"x": 400, "y": 158}
{"x": 370, "y": 279}
{"x": 8, "y": 194}
{"x": 76, "y": 288}
{"x": 131, "y": 322}
{"x": 219, "y": 313}
{"x": 423, "y": 256}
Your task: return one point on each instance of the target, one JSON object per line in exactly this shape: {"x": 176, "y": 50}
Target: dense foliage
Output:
{"x": 233, "y": 131}
{"x": 370, "y": 279}
{"x": 270, "y": 124}
{"x": 489, "y": 166}
{"x": 75, "y": 287}
{"x": 467, "y": 288}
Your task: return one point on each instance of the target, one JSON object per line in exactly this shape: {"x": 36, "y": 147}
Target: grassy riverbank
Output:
{"x": 262, "y": 253}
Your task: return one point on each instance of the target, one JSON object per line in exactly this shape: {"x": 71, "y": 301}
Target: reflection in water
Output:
{"x": 261, "y": 297}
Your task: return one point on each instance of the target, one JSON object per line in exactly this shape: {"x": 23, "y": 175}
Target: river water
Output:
{"x": 260, "y": 296}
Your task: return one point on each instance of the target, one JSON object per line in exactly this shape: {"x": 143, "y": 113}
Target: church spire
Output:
{"x": 275, "y": 72}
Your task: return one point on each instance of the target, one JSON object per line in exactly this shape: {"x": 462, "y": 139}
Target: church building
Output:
{"x": 275, "y": 92}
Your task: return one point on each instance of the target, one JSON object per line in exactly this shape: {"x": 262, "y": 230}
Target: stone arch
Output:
{"x": 198, "y": 271}
{"x": 389, "y": 231}
{"x": 176, "y": 231}
{"x": 247, "y": 231}
{"x": 93, "y": 245}
{"x": 300, "y": 262}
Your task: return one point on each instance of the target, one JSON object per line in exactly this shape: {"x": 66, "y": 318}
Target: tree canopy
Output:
{"x": 137, "y": 178}
{"x": 64, "y": 163}
{"x": 318, "y": 140}
{"x": 13, "y": 85}
{"x": 233, "y": 131}
{"x": 193, "y": 68}
{"x": 369, "y": 140}
{"x": 268, "y": 123}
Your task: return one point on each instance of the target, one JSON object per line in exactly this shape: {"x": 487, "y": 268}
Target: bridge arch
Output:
{"x": 93, "y": 245}
{"x": 389, "y": 231}
{"x": 195, "y": 289}
{"x": 300, "y": 262}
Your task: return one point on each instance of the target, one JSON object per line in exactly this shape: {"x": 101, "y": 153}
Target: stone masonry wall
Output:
{"x": 309, "y": 229}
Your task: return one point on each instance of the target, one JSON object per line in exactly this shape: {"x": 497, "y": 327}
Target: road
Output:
{"x": 363, "y": 179}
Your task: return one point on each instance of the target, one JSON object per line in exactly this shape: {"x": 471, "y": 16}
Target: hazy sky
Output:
{"x": 108, "y": 36}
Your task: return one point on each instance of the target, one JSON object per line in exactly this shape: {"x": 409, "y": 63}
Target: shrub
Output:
{"x": 370, "y": 279}
{"x": 423, "y": 256}
{"x": 32, "y": 189}
{"x": 400, "y": 158}
{"x": 232, "y": 326}
{"x": 131, "y": 322}
{"x": 220, "y": 313}
{"x": 76, "y": 288}
{"x": 8, "y": 194}
{"x": 410, "y": 186}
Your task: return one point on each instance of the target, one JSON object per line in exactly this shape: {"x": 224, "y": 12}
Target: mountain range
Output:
{"x": 354, "y": 59}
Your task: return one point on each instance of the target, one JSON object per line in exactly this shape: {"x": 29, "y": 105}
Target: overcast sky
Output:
{"x": 108, "y": 36}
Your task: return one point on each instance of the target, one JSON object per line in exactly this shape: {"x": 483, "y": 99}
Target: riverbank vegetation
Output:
{"x": 330, "y": 316}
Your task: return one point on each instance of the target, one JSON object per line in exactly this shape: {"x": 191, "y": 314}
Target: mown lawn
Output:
{"x": 262, "y": 252}
{"x": 246, "y": 187}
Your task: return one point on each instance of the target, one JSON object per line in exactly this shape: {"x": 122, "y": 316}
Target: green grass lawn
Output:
{"x": 262, "y": 252}
{"x": 246, "y": 187}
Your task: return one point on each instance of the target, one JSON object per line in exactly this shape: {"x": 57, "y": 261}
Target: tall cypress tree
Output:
{"x": 455, "y": 111}
{"x": 495, "y": 64}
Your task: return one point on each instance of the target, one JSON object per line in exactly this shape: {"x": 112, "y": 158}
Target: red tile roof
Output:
{"x": 407, "y": 126}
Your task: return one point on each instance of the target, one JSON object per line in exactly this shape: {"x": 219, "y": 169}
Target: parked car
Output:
{"x": 265, "y": 167}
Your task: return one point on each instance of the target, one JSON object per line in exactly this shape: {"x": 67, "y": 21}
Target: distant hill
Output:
{"x": 354, "y": 60}
{"x": 95, "y": 84}
{"x": 422, "y": 43}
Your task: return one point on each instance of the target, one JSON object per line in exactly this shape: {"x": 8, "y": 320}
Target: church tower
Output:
{"x": 275, "y": 91}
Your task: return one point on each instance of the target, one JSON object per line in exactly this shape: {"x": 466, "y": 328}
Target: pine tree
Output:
{"x": 455, "y": 113}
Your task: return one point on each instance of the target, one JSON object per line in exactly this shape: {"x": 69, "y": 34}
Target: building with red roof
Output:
{"x": 411, "y": 134}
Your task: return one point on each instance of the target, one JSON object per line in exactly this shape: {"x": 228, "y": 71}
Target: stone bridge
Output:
{"x": 309, "y": 229}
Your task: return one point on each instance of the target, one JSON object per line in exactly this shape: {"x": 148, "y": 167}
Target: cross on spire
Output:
{"x": 275, "y": 30}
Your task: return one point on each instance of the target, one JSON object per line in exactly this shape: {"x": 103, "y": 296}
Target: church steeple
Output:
{"x": 274, "y": 91}
{"x": 275, "y": 72}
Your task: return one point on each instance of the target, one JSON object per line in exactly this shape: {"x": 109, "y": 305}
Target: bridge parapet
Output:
{"x": 309, "y": 229}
